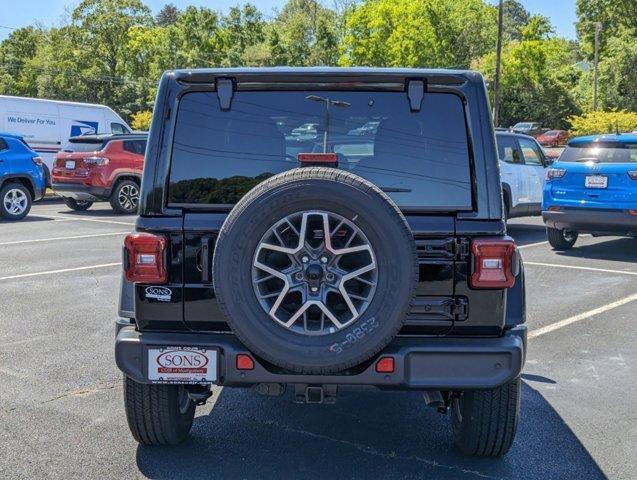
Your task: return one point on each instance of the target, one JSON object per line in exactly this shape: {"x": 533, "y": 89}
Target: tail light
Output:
{"x": 244, "y": 362}
{"x": 553, "y": 173}
{"x": 633, "y": 174}
{"x": 494, "y": 263}
{"x": 385, "y": 365}
{"x": 37, "y": 160}
{"x": 96, "y": 161}
{"x": 144, "y": 258}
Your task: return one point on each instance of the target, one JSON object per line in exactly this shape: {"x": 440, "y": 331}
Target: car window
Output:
{"x": 135, "y": 146}
{"x": 530, "y": 152}
{"x": 118, "y": 128}
{"x": 602, "y": 152}
{"x": 82, "y": 146}
{"x": 508, "y": 149}
{"x": 3, "y": 145}
{"x": 417, "y": 158}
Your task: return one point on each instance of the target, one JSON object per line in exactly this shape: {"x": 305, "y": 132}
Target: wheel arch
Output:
{"x": 24, "y": 180}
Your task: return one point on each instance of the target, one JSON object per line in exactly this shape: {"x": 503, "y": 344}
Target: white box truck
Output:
{"x": 46, "y": 125}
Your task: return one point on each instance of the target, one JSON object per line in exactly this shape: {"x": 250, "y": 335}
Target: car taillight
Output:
{"x": 96, "y": 161}
{"x": 144, "y": 258}
{"x": 553, "y": 173}
{"x": 37, "y": 160}
{"x": 493, "y": 263}
{"x": 633, "y": 174}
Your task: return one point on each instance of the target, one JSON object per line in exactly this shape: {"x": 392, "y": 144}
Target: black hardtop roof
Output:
{"x": 326, "y": 74}
{"x": 103, "y": 137}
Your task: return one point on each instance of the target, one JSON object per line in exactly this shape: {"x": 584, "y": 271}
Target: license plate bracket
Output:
{"x": 596, "y": 181}
{"x": 182, "y": 364}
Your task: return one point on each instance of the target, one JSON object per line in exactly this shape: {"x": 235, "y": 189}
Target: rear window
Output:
{"x": 137, "y": 147}
{"x": 600, "y": 152}
{"x": 421, "y": 159}
{"x": 82, "y": 146}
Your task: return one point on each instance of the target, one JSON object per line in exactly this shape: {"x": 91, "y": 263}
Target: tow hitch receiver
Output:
{"x": 315, "y": 393}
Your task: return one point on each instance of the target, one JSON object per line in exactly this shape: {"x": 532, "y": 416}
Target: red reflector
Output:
{"x": 632, "y": 212}
{"x": 318, "y": 158}
{"x": 554, "y": 209}
{"x": 385, "y": 365}
{"x": 244, "y": 362}
{"x": 492, "y": 262}
{"x": 144, "y": 258}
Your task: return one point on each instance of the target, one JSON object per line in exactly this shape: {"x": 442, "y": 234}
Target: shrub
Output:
{"x": 141, "y": 120}
{"x": 603, "y": 122}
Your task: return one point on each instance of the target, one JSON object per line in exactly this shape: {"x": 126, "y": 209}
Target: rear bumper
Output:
{"x": 420, "y": 363}
{"x": 610, "y": 222}
{"x": 78, "y": 191}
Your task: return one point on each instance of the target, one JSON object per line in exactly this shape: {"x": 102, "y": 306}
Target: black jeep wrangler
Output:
{"x": 277, "y": 258}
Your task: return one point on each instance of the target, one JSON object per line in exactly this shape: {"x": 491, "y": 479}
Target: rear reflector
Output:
{"x": 492, "y": 263}
{"x": 385, "y": 365}
{"x": 306, "y": 159}
{"x": 244, "y": 362}
{"x": 555, "y": 209}
{"x": 144, "y": 258}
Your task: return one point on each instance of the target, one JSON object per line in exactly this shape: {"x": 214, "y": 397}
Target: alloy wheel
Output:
{"x": 15, "y": 201}
{"x": 314, "y": 272}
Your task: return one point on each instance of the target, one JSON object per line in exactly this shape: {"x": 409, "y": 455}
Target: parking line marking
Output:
{"x": 63, "y": 270}
{"x": 18, "y": 242}
{"x": 532, "y": 244}
{"x": 575, "y": 267}
{"x": 582, "y": 316}
{"x": 57, "y": 217}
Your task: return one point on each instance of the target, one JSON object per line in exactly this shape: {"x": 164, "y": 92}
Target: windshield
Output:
{"x": 523, "y": 125}
{"x": 610, "y": 152}
{"x": 552, "y": 133}
{"x": 418, "y": 158}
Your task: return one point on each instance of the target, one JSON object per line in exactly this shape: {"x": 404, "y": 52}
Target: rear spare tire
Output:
{"x": 315, "y": 270}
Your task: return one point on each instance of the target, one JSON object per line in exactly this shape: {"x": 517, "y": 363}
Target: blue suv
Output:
{"x": 22, "y": 178}
{"x": 592, "y": 188}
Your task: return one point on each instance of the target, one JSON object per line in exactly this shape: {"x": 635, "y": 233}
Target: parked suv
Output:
{"x": 256, "y": 264}
{"x": 92, "y": 168}
{"x": 22, "y": 178}
{"x": 522, "y": 167}
{"x": 592, "y": 188}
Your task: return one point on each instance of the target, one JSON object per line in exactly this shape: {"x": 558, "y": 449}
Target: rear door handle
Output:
{"x": 206, "y": 266}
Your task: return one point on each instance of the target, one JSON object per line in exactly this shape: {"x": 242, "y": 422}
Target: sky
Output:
{"x": 52, "y": 12}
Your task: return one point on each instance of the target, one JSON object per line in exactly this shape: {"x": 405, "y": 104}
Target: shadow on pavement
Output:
{"x": 526, "y": 233}
{"x": 28, "y": 219}
{"x": 366, "y": 435}
{"x": 615, "y": 249}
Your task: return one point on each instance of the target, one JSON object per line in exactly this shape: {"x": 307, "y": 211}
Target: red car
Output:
{"x": 553, "y": 138}
{"x": 93, "y": 168}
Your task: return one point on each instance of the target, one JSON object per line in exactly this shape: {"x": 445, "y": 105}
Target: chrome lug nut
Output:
{"x": 315, "y": 289}
{"x": 305, "y": 259}
{"x": 323, "y": 259}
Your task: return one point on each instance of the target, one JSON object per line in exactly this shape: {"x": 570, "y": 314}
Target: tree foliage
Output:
{"x": 114, "y": 51}
{"x": 603, "y": 122}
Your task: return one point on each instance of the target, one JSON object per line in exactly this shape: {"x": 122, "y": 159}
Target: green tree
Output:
{"x": 612, "y": 14}
{"x": 168, "y": 15}
{"x": 418, "y": 33}
{"x": 16, "y": 54}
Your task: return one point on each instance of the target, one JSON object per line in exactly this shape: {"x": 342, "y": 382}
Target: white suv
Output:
{"x": 522, "y": 165}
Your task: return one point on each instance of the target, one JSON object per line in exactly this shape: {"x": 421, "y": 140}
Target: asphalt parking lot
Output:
{"x": 61, "y": 413}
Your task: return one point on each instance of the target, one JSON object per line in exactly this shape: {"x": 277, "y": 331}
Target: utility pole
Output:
{"x": 498, "y": 55}
{"x": 598, "y": 28}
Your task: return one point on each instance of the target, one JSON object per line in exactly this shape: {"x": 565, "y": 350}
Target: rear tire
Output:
{"x": 77, "y": 205}
{"x": 561, "y": 239}
{"x": 15, "y": 201}
{"x": 484, "y": 422}
{"x": 125, "y": 197}
{"x": 158, "y": 414}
